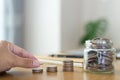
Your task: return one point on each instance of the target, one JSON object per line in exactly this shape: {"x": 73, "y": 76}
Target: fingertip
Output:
{"x": 36, "y": 63}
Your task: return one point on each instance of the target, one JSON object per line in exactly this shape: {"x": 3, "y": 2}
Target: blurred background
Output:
{"x": 50, "y": 26}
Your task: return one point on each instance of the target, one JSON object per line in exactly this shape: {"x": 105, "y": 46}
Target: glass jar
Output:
{"x": 99, "y": 55}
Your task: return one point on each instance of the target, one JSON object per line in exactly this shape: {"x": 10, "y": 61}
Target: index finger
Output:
{"x": 20, "y": 51}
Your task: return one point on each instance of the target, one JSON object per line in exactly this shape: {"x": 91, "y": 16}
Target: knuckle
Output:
{"x": 3, "y": 42}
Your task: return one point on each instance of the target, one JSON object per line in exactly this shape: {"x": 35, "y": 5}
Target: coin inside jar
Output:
{"x": 101, "y": 43}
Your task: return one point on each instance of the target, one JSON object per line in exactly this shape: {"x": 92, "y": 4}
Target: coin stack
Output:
{"x": 68, "y": 65}
{"x": 52, "y": 68}
{"x": 37, "y": 70}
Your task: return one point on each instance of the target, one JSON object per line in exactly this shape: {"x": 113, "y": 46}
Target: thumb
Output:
{"x": 26, "y": 62}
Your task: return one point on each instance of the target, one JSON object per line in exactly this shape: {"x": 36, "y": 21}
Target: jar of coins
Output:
{"x": 99, "y": 55}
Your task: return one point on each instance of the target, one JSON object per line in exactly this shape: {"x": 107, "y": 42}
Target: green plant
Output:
{"x": 94, "y": 29}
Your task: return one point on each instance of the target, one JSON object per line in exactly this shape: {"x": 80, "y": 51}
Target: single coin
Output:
{"x": 68, "y": 61}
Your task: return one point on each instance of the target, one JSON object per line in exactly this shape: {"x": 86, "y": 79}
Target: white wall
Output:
{"x": 52, "y": 26}
{"x": 58, "y": 25}
{"x": 71, "y": 24}
{"x": 2, "y": 33}
{"x": 42, "y": 26}
{"x": 114, "y": 18}
{"x": 76, "y": 13}
{"x": 109, "y": 9}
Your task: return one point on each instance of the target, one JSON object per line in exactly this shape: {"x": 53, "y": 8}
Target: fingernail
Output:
{"x": 36, "y": 63}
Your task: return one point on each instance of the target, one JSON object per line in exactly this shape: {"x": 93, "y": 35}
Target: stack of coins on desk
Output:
{"x": 68, "y": 65}
{"x": 37, "y": 70}
{"x": 52, "y": 68}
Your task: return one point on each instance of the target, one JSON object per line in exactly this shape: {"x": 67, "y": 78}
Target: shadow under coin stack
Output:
{"x": 99, "y": 55}
{"x": 68, "y": 66}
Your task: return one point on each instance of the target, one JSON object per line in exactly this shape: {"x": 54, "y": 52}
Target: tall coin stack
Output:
{"x": 68, "y": 65}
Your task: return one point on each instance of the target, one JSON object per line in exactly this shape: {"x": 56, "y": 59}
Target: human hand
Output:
{"x": 14, "y": 56}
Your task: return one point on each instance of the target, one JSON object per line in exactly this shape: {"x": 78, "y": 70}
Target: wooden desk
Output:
{"x": 78, "y": 74}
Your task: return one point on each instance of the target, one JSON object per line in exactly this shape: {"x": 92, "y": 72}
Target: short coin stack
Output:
{"x": 68, "y": 65}
{"x": 52, "y": 68}
{"x": 37, "y": 70}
